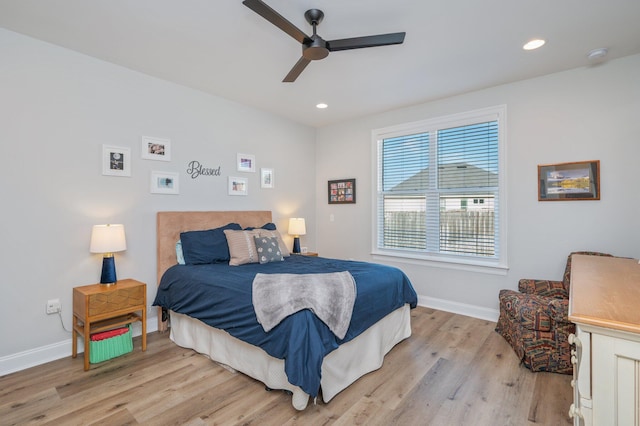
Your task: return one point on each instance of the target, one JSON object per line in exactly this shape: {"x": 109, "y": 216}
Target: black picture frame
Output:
{"x": 574, "y": 181}
{"x": 341, "y": 191}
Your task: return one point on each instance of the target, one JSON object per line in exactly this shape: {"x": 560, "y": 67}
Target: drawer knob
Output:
{"x": 574, "y": 412}
{"x": 573, "y": 340}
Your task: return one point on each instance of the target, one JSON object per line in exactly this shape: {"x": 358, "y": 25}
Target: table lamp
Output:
{"x": 296, "y": 228}
{"x": 108, "y": 239}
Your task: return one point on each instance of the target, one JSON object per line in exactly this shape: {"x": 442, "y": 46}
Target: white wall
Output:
{"x": 582, "y": 114}
{"x": 57, "y": 108}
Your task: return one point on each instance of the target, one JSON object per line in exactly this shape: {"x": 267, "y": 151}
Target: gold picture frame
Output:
{"x": 573, "y": 181}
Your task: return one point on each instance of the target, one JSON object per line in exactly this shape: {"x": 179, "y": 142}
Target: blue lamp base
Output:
{"x": 108, "y": 270}
{"x": 296, "y": 245}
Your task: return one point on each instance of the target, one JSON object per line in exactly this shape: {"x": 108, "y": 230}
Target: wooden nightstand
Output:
{"x": 309, "y": 253}
{"x": 99, "y": 307}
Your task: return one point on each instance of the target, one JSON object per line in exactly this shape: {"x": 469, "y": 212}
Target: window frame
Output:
{"x": 498, "y": 265}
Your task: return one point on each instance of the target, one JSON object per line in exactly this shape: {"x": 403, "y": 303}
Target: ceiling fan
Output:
{"x": 315, "y": 47}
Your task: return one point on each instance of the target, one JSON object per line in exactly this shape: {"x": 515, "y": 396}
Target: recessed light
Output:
{"x": 597, "y": 54}
{"x": 533, "y": 44}
{"x": 321, "y": 106}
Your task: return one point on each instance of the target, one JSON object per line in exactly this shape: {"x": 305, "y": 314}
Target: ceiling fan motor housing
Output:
{"x": 315, "y": 49}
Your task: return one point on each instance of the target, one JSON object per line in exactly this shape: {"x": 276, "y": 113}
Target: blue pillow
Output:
{"x": 268, "y": 226}
{"x": 210, "y": 246}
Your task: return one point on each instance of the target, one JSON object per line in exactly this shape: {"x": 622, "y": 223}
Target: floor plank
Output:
{"x": 453, "y": 370}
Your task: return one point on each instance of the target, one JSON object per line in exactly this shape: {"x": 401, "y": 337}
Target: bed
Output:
{"x": 301, "y": 354}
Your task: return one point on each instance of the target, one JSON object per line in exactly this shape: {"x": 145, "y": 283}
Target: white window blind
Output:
{"x": 439, "y": 188}
{"x": 404, "y": 161}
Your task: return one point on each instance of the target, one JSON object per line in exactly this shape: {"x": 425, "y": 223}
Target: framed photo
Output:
{"x": 238, "y": 185}
{"x": 342, "y": 191}
{"x": 266, "y": 178}
{"x": 165, "y": 183}
{"x": 116, "y": 161}
{"x": 569, "y": 181}
{"x": 156, "y": 148}
{"x": 246, "y": 163}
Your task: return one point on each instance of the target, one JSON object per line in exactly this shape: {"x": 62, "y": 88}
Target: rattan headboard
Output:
{"x": 169, "y": 225}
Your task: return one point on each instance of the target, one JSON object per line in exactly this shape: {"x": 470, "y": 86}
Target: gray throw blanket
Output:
{"x": 330, "y": 296}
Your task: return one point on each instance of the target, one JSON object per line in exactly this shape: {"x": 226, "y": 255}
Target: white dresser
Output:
{"x": 604, "y": 303}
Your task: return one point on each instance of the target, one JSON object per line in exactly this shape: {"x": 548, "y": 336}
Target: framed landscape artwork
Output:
{"x": 569, "y": 181}
{"x": 342, "y": 191}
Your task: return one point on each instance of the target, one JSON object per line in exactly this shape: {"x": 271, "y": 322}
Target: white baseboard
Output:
{"x": 37, "y": 356}
{"x": 459, "y": 308}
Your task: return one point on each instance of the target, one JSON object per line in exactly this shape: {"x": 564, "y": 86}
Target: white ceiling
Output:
{"x": 222, "y": 47}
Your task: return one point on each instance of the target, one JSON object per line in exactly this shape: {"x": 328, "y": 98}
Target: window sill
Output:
{"x": 447, "y": 262}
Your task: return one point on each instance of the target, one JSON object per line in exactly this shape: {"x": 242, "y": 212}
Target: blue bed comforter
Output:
{"x": 220, "y": 296}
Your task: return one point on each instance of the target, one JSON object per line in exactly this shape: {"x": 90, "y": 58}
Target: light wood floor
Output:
{"x": 453, "y": 370}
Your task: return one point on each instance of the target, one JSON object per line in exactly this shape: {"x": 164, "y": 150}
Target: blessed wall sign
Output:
{"x": 195, "y": 169}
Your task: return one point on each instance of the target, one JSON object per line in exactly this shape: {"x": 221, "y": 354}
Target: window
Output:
{"x": 440, "y": 189}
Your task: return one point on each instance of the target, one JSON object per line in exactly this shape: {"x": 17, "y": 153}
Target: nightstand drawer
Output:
{"x": 103, "y": 303}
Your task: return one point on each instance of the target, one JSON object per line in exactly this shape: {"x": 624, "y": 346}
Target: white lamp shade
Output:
{"x": 107, "y": 239}
{"x": 297, "y": 226}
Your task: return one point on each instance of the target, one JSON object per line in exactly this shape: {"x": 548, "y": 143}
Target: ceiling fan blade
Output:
{"x": 276, "y": 19}
{"x": 296, "y": 70}
{"x": 367, "y": 41}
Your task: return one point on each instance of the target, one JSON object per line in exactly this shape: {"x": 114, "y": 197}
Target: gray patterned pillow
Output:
{"x": 268, "y": 249}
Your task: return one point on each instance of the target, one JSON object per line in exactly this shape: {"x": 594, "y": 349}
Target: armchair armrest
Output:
{"x": 559, "y": 309}
{"x": 546, "y": 288}
{"x": 529, "y": 311}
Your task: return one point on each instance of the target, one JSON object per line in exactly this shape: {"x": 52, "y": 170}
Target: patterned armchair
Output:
{"x": 535, "y": 321}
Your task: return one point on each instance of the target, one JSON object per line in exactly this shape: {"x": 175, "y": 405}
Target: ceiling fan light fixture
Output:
{"x": 534, "y": 44}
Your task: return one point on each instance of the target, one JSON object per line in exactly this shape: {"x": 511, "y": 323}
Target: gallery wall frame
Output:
{"x": 238, "y": 185}
{"x": 165, "y": 183}
{"x": 246, "y": 163}
{"x": 116, "y": 161}
{"x": 341, "y": 191}
{"x": 153, "y": 148}
{"x": 266, "y": 178}
{"x": 574, "y": 181}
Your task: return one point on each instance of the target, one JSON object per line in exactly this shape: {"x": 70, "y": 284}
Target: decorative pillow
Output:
{"x": 242, "y": 248}
{"x": 210, "y": 246}
{"x": 269, "y": 226}
{"x": 179, "y": 255}
{"x": 268, "y": 249}
{"x": 275, "y": 234}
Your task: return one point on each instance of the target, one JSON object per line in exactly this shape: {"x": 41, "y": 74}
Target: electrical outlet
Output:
{"x": 53, "y": 306}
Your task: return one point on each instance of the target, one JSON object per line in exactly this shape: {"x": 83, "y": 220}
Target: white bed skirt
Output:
{"x": 340, "y": 368}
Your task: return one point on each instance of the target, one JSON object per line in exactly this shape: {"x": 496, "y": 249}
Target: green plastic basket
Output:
{"x": 112, "y": 347}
